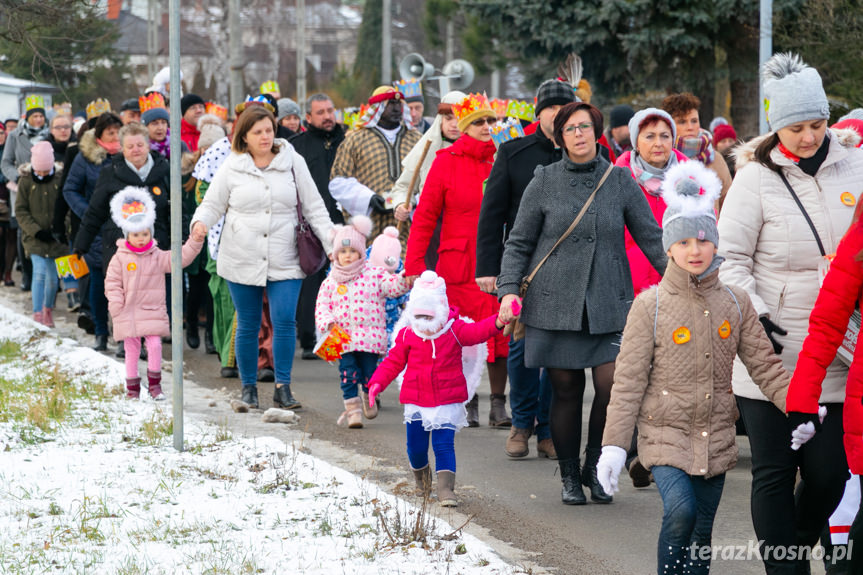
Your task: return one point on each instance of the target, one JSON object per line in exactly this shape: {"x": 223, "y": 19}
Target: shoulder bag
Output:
{"x": 309, "y": 247}
{"x": 515, "y": 327}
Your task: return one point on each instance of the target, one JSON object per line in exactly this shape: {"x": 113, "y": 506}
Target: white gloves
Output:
{"x": 806, "y": 431}
{"x": 610, "y": 465}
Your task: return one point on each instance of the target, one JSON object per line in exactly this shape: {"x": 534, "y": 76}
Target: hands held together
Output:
{"x": 805, "y": 426}
{"x": 199, "y": 232}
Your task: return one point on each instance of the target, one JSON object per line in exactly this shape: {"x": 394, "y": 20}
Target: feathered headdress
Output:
{"x": 690, "y": 190}
{"x": 572, "y": 72}
{"x": 133, "y": 210}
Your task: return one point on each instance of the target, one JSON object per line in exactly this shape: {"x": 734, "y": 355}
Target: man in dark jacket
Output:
{"x": 529, "y": 391}
{"x": 318, "y": 145}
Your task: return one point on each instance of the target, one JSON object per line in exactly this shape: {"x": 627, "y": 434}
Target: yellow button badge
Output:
{"x": 848, "y": 199}
{"x": 342, "y": 289}
{"x": 131, "y": 266}
{"x": 681, "y": 335}
{"x": 725, "y": 329}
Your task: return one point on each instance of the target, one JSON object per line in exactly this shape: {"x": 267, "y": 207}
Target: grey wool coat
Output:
{"x": 589, "y": 270}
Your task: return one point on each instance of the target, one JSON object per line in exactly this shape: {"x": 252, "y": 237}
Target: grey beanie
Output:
{"x": 288, "y": 107}
{"x": 641, "y": 115}
{"x": 792, "y": 92}
{"x": 155, "y": 114}
{"x": 690, "y": 190}
{"x": 553, "y": 93}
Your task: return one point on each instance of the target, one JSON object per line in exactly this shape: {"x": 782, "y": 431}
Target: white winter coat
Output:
{"x": 771, "y": 252}
{"x": 258, "y": 240}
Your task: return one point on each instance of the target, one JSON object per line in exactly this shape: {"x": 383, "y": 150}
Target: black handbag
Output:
{"x": 309, "y": 247}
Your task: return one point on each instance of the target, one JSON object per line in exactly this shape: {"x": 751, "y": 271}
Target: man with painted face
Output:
{"x": 369, "y": 161}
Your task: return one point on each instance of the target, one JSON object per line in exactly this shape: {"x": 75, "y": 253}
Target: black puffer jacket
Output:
{"x": 112, "y": 179}
{"x": 318, "y": 148}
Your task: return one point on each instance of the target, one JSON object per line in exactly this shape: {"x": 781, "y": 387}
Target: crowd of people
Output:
{"x": 683, "y": 267}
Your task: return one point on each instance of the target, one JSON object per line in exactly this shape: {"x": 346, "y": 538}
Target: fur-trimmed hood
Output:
{"x": 27, "y": 169}
{"x": 187, "y": 163}
{"x": 90, "y": 148}
{"x": 745, "y": 152}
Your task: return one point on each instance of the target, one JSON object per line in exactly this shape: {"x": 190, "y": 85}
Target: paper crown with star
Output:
{"x": 97, "y": 107}
{"x": 472, "y": 108}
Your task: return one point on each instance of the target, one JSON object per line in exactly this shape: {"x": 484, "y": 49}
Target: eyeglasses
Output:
{"x": 572, "y": 128}
{"x": 481, "y": 121}
{"x": 62, "y": 127}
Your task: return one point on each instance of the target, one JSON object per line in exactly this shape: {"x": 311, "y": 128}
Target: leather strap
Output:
{"x": 805, "y": 213}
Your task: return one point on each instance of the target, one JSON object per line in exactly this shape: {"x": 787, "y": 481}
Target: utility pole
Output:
{"x": 301, "y": 54}
{"x": 176, "y": 227}
{"x": 235, "y": 33}
{"x": 387, "y": 42}
{"x": 765, "y": 51}
{"x": 154, "y": 18}
{"x": 449, "y": 53}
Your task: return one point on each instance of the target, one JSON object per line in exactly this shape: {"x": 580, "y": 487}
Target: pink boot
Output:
{"x": 154, "y": 378}
{"x": 37, "y": 316}
{"x": 47, "y": 317}
{"x": 133, "y": 387}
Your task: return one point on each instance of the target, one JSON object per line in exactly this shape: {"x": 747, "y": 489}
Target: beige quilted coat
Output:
{"x": 676, "y": 385}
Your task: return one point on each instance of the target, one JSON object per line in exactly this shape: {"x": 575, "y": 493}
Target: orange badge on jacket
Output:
{"x": 342, "y": 289}
{"x": 848, "y": 198}
{"x": 157, "y": 191}
{"x": 681, "y": 335}
{"x": 725, "y": 329}
{"x": 131, "y": 266}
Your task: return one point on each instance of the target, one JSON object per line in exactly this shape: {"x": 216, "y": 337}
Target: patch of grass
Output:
{"x": 156, "y": 429}
{"x": 9, "y": 350}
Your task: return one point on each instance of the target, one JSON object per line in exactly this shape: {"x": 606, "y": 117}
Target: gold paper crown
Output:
{"x": 132, "y": 208}
{"x": 149, "y": 102}
{"x": 34, "y": 101}
{"x": 64, "y": 109}
{"x": 98, "y": 107}
{"x": 473, "y": 103}
{"x": 499, "y": 106}
{"x": 220, "y": 112}
{"x": 270, "y": 86}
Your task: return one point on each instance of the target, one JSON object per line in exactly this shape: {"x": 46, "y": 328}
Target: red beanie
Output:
{"x": 723, "y": 131}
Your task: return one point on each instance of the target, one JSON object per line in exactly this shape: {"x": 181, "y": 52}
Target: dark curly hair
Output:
{"x": 680, "y": 104}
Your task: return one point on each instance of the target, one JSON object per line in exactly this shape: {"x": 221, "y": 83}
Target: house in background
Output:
{"x": 13, "y": 91}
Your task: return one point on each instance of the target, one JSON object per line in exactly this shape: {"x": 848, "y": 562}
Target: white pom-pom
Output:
{"x": 691, "y": 205}
{"x": 781, "y": 65}
{"x": 362, "y": 224}
{"x": 391, "y": 232}
{"x": 428, "y": 276}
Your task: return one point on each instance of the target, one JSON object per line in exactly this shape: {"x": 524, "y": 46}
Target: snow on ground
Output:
{"x": 89, "y": 482}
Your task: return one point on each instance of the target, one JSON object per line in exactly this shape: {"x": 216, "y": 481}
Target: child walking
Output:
{"x": 353, "y": 297}
{"x": 673, "y": 375}
{"x": 135, "y": 286}
{"x": 434, "y": 387}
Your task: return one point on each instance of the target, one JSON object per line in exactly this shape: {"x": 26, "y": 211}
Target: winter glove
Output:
{"x": 378, "y": 204}
{"x": 44, "y": 236}
{"x": 805, "y": 426}
{"x": 60, "y": 238}
{"x": 78, "y": 252}
{"x": 374, "y": 390}
{"x": 772, "y": 328}
{"x": 610, "y": 465}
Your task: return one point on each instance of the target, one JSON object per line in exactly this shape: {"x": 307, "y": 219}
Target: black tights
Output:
{"x": 566, "y": 404}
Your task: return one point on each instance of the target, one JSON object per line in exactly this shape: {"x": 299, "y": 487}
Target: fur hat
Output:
{"x": 133, "y": 210}
{"x": 211, "y": 129}
{"x": 386, "y": 250}
{"x": 42, "y": 156}
{"x": 792, "y": 92}
{"x": 690, "y": 190}
{"x": 353, "y": 235}
{"x": 428, "y": 298}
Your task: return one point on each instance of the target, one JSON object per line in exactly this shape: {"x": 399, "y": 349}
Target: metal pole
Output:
{"x": 236, "y": 48}
{"x": 176, "y": 226}
{"x": 765, "y": 51}
{"x": 495, "y": 84}
{"x": 387, "y": 42}
{"x": 449, "y": 52}
{"x": 153, "y": 18}
{"x": 301, "y": 54}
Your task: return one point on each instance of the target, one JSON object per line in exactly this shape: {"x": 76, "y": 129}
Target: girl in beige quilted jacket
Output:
{"x": 673, "y": 375}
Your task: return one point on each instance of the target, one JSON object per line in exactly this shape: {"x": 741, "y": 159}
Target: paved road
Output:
{"x": 515, "y": 501}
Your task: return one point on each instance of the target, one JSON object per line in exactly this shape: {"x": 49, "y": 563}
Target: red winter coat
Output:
{"x": 135, "y": 289}
{"x": 190, "y": 135}
{"x": 842, "y": 289}
{"x": 435, "y": 375}
{"x": 454, "y": 189}
{"x": 643, "y": 274}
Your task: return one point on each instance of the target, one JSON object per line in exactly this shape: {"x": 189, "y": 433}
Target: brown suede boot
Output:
{"x": 424, "y": 481}
{"x": 545, "y": 448}
{"x": 445, "y": 485}
{"x": 516, "y": 443}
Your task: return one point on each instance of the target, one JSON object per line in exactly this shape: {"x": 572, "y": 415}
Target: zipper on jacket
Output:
{"x": 781, "y": 303}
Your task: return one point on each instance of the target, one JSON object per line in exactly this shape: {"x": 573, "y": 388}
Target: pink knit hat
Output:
{"x": 42, "y": 157}
{"x": 386, "y": 250}
{"x": 428, "y": 296}
{"x": 353, "y": 235}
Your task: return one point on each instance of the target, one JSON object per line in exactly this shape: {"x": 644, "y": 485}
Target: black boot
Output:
{"x": 101, "y": 343}
{"x": 589, "y": 478}
{"x": 282, "y": 397}
{"x": 192, "y": 337}
{"x": 570, "y": 474}
{"x": 250, "y": 395}
{"x": 473, "y": 411}
{"x": 209, "y": 346}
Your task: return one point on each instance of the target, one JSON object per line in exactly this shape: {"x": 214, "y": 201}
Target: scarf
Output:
{"x": 810, "y": 166}
{"x": 144, "y": 170}
{"x": 697, "y": 148}
{"x": 110, "y": 147}
{"x": 35, "y": 134}
{"x": 344, "y": 274}
{"x": 650, "y": 177}
{"x": 140, "y": 250}
{"x": 163, "y": 147}
{"x": 42, "y": 179}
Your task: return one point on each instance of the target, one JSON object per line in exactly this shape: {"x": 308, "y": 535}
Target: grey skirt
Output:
{"x": 568, "y": 349}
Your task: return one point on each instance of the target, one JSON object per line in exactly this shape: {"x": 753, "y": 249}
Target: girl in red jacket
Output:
{"x": 434, "y": 387}
{"x": 841, "y": 291}
{"x": 135, "y": 286}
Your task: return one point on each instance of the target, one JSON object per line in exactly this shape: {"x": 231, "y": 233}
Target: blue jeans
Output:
{"x": 529, "y": 393}
{"x": 443, "y": 445}
{"x": 98, "y": 301}
{"x": 44, "y": 282}
{"x": 355, "y": 369}
{"x": 689, "y": 506}
{"x": 249, "y": 303}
